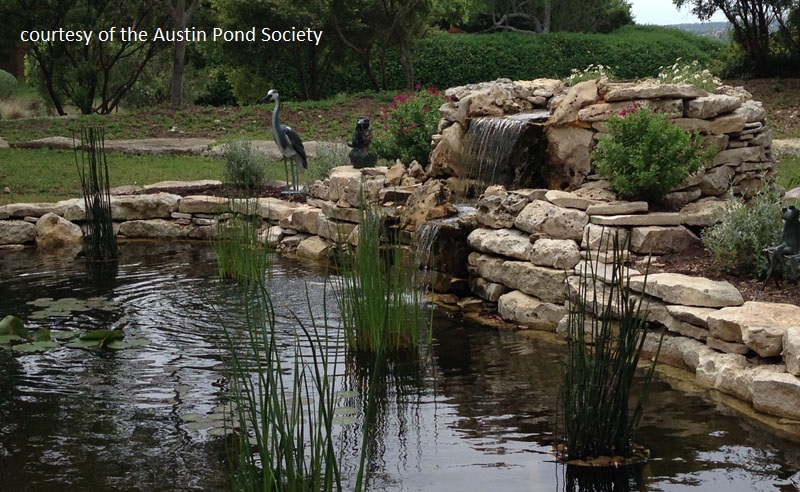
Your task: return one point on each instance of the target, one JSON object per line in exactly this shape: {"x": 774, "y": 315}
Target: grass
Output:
{"x": 100, "y": 241}
{"x": 789, "y": 171}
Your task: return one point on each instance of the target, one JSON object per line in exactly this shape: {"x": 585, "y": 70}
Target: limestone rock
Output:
{"x": 54, "y": 233}
{"x": 753, "y": 111}
{"x": 502, "y": 242}
{"x": 661, "y": 240}
{"x": 446, "y": 158}
{"x": 728, "y": 123}
{"x": 577, "y": 97}
{"x": 759, "y": 325}
{"x": 617, "y": 208}
{"x": 716, "y": 181}
{"x": 697, "y": 316}
{"x": 498, "y": 210}
{"x": 600, "y": 239}
{"x": 275, "y": 209}
{"x": 712, "y": 105}
{"x": 545, "y": 283}
{"x": 201, "y": 204}
{"x": 303, "y": 219}
{"x": 675, "y": 288}
{"x": 142, "y": 207}
{"x": 17, "y": 232}
{"x": 22, "y": 210}
{"x": 314, "y": 248}
{"x": 558, "y": 223}
{"x": 430, "y": 201}
{"x": 777, "y": 394}
{"x": 490, "y": 291}
{"x": 335, "y": 230}
{"x": 653, "y": 219}
{"x": 734, "y": 157}
{"x": 791, "y": 349}
{"x": 704, "y": 212}
{"x": 671, "y": 108}
{"x": 529, "y": 311}
{"x": 563, "y": 254}
{"x": 567, "y": 200}
{"x": 622, "y": 91}
{"x": 154, "y": 229}
{"x": 711, "y": 364}
{"x": 568, "y": 157}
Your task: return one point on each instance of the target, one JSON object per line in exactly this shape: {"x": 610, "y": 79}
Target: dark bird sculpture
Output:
{"x": 289, "y": 142}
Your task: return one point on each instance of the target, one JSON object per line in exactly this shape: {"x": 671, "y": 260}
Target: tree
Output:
{"x": 94, "y": 76}
{"x": 753, "y": 23}
{"x": 542, "y": 16}
{"x": 180, "y": 16}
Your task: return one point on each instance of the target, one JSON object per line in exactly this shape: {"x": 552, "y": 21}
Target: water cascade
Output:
{"x": 506, "y": 150}
{"x": 442, "y": 252}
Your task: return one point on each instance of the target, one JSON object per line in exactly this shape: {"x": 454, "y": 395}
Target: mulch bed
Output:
{"x": 696, "y": 261}
{"x": 225, "y": 190}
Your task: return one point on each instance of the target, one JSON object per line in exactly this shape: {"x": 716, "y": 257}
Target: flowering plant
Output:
{"x": 408, "y": 125}
{"x": 682, "y": 72}
{"x": 591, "y": 72}
{"x": 644, "y": 155}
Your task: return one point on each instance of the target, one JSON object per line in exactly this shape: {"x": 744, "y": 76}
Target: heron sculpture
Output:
{"x": 289, "y": 143}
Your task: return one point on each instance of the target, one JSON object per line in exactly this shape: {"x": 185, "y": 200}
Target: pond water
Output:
{"x": 478, "y": 414}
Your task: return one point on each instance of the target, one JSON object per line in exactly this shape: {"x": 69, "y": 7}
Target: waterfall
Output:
{"x": 442, "y": 249}
{"x": 497, "y": 149}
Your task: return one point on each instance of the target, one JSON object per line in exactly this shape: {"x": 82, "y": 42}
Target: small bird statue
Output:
{"x": 289, "y": 142}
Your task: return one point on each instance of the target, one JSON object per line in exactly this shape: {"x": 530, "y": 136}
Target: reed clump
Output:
{"x": 607, "y": 330}
{"x": 99, "y": 240}
{"x": 378, "y": 292}
{"x": 241, "y": 254}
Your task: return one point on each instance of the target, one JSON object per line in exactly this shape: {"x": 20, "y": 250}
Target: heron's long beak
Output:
{"x": 266, "y": 99}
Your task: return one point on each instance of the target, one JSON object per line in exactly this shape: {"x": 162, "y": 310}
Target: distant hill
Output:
{"x": 717, "y": 30}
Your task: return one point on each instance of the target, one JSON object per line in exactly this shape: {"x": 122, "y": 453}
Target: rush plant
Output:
{"x": 99, "y": 240}
{"x": 607, "y": 330}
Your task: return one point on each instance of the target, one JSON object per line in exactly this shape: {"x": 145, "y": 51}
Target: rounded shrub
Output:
{"x": 743, "y": 231}
{"x": 243, "y": 165}
{"x": 644, "y": 155}
{"x": 408, "y": 126}
{"x": 8, "y": 83}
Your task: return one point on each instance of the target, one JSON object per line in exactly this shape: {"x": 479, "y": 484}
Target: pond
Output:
{"x": 478, "y": 414}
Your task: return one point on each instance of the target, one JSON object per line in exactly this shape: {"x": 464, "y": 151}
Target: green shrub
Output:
{"x": 243, "y": 165}
{"x": 7, "y": 84}
{"x": 645, "y": 156}
{"x": 408, "y": 126}
{"x": 743, "y": 231}
{"x": 682, "y": 72}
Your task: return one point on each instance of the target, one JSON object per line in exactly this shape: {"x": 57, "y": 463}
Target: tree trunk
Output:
{"x": 180, "y": 16}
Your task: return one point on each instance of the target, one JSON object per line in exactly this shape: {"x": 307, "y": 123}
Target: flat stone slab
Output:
{"x": 676, "y": 288}
{"x": 167, "y": 186}
{"x": 759, "y": 325}
{"x": 617, "y": 208}
{"x": 654, "y": 219}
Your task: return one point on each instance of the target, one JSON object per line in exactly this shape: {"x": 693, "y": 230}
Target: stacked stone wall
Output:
{"x": 730, "y": 121}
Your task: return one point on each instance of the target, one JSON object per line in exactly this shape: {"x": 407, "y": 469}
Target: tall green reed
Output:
{"x": 99, "y": 240}
{"x": 378, "y": 293}
{"x": 607, "y": 330}
{"x": 284, "y": 408}
{"x": 241, "y": 255}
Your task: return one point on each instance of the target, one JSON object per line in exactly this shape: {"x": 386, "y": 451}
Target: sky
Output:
{"x": 663, "y": 12}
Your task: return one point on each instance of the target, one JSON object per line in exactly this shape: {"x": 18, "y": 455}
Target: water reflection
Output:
{"x": 477, "y": 413}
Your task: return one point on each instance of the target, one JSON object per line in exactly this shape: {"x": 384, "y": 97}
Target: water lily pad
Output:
{"x": 192, "y": 417}
{"x": 347, "y": 394}
{"x": 345, "y": 411}
{"x": 344, "y": 420}
{"x": 199, "y": 425}
{"x": 41, "y": 335}
{"x": 84, "y": 344}
{"x": 220, "y": 431}
{"x": 63, "y": 334}
{"x": 41, "y": 302}
{"x": 127, "y": 343}
{"x": 33, "y": 347}
{"x": 67, "y": 305}
{"x": 7, "y": 339}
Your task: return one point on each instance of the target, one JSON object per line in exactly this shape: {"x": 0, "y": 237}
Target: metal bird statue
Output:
{"x": 289, "y": 142}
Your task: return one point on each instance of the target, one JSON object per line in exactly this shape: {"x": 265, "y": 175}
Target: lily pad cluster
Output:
{"x": 16, "y": 337}
{"x": 67, "y": 305}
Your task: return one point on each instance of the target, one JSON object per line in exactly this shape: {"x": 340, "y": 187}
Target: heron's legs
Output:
{"x": 286, "y": 170}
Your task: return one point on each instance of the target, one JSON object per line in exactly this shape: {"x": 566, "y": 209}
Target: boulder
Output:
{"x": 577, "y": 97}
{"x": 752, "y": 111}
{"x": 22, "y": 210}
{"x": 54, "y": 233}
{"x": 716, "y": 181}
{"x": 499, "y": 209}
{"x": 759, "y": 325}
{"x": 558, "y": 223}
{"x": 791, "y": 349}
{"x": 142, "y": 207}
{"x": 275, "y": 209}
{"x": 154, "y": 229}
{"x": 712, "y": 105}
{"x": 447, "y": 156}
{"x": 529, "y": 311}
{"x": 430, "y": 201}
{"x": 600, "y": 239}
{"x": 303, "y": 219}
{"x": 567, "y": 200}
{"x": 661, "y": 240}
{"x": 728, "y": 123}
{"x": 503, "y": 242}
{"x": 563, "y": 254}
{"x": 545, "y": 283}
{"x": 568, "y": 161}
{"x": 704, "y": 212}
{"x": 201, "y": 204}
{"x": 675, "y": 288}
{"x": 314, "y": 248}
{"x": 490, "y": 291}
{"x": 16, "y": 232}
{"x": 776, "y": 393}
{"x": 617, "y": 208}
{"x": 649, "y": 89}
